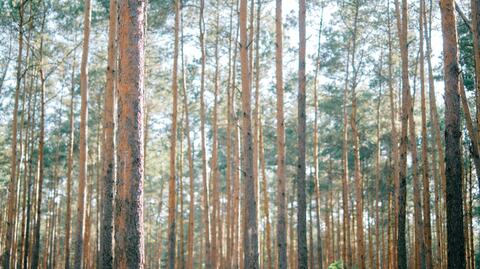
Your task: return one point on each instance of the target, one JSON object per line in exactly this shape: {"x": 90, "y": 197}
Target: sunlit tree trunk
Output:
{"x": 129, "y": 237}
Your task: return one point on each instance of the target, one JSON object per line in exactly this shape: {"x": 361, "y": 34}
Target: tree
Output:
{"x": 129, "y": 235}
{"x": 173, "y": 139}
{"x": 453, "y": 154}
{"x": 108, "y": 146}
{"x": 78, "y": 261}
{"x": 250, "y": 236}
{"x": 13, "y": 159}
{"x": 281, "y": 194}
{"x": 402, "y": 28}
{"x": 301, "y": 129}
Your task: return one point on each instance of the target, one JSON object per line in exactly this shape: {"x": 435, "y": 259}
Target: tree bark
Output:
{"x": 78, "y": 261}
{"x": 281, "y": 189}
{"x": 41, "y": 143}
{"x": 173, "y": 139}
{"x": 12, "y": 187}
{"x": 129, "y": 238}
{"x": 108, "y": 146}
{"x": 205, "y": 214}
{"x": 425, "y": 171}
{"x": 301, "y": 130}
{"x": 402, "y": 28}
{"x": 250, "y": 240}
{"x": 453, "y": 154}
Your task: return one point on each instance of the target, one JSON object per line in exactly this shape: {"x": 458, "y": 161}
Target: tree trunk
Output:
{"x": 301, "y": 129}
{"x": 108, "y": 146}
{"x": 453, "y": 154}
{"x": 36, "y": 232}
{"x": 78, "y": 262}
{"x": 402, "y": 27}
{"x": 214, "y": 162}
{"x": 201, "y": 25}
{"x": 129, "y": 241}
{"x": 417, "y": 208}
{"x": 281, "y": 190}
{"x": 319, "y": 260}
{"x": 425, "y": 171}
{"x": 68, "y": 212}
{"x": 12, "y": 187}
{"x": 173, "y": 139}
{"x": 250, "y": 237}
{"x": 434, "y": 118}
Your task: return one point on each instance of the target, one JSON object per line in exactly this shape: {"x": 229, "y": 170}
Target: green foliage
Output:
{"x": 336, "y": 265}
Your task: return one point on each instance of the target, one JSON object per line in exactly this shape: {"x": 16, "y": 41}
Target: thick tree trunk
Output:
{"x": 108, "y": 146}
{"x": 129, "y": 241}
{"x": 453, "y": 154}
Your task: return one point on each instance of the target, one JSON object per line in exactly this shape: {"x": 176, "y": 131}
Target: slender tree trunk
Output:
{"x": 36, "y": 232}
{"x": 425, "y": 171}
{"x": 108, "y": 146}
{"x": 281, "y": 191}
{"x": 402, "y": 27}
{"x": 418, "y": 220}
{"x": 214, "y": 162}
{"x": 68, "y": 212}
{"x": 201, "y": 25}
{"x": 129, "y": 238}
{"x": 13, "y": 158}
{"x": 345, "y": 188}
{"x": 434, "y": 118}
{"x": 250, "y": 237}
{"x": 78, "y": 262}
{"x": 315, "y": 155}
{"x": 453, "y": 154}
{"x": 377, "y": 176}
{"x": 173, "y": 139}
{"x": 191, "y": 213}
{"x": 301, "y": 129}
{"x": 266, "y": 205}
